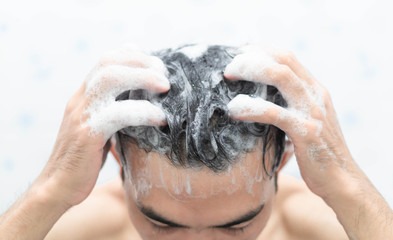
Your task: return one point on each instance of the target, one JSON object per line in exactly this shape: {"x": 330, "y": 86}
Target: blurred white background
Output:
{"x": 48, "y": 47}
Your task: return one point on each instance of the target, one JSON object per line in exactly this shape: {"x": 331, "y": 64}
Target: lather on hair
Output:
{"x": 200, "y": 131}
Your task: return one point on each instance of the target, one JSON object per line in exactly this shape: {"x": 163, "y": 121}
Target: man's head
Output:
{"x": 204, "y": 174}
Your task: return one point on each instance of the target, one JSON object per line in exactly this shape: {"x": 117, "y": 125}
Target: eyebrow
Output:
{"x": 150, "y": 213}
{"x": 244, "y": 218}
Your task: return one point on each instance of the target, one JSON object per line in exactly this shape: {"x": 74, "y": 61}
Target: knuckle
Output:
{"x": 285, "y": 57}
{"x": 105, "y": 61}
{"x": 282, "y": 73}
{"x": 326, "y": 94}
{"x": 75, "y": 118}
{"x": 149, "y": 78}
{"x": 69, "y": 107}
{"x": 76, "y": 100}
{"x": 317, "y": 112}
{"x": 286, "y": 78}
{"x": 157, "y": 63}
{"x": 286, "y": 71}
{"x": 108, "y": 58}
{"x": 104, "y": 75}
{"x": 314, "y": 127}
{"x": 99, "y": 76}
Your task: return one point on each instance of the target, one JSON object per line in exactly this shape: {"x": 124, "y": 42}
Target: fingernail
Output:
{"x": 164, "y": 84}
{"x": 231, "y": 71}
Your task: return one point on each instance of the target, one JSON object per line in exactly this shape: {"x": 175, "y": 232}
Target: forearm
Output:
{"x": 359, "y": 207}
{"x": 33, "y": 215}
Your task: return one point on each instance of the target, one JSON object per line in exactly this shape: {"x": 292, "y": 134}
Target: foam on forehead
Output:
{"x": 152, "y": 171}
{"x": 200, "y": 131}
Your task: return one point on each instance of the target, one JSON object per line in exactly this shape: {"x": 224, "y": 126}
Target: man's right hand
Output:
{"x": 91, "y": 117}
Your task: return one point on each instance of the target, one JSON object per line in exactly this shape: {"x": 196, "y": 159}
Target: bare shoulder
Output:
{"x": 103, "y": 215}
{"x": 305, "y": 215}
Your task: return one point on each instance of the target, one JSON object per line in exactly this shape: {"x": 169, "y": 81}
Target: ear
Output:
{"x": 288, "y": 153}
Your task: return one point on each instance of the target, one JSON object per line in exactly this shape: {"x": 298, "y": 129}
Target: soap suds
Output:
{"x": 194, "y": 51}
{"x": 319, "y": 127}
{"x": 188, "y": 185}
{"x": 256, "y": 64}
{"x": 106, "y": 115}
{"x": 179, "y": 186}
{"x": 245, "y": 105}
{"x": 352, "y": 236}
{"x": 196, "y": 109}
{"x": 323, "y": 154}
{"x": 141, "y": 184}
{"x": 306, "y": 101}
{"x": 252, "y": 67}
{"x": 143, "y": 187}
{"x": 297, "y": 120}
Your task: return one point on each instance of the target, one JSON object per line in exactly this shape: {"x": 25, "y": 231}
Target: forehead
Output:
{"x": 152, "y": 174}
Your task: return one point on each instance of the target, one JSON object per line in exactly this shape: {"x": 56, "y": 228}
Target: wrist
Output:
{"x": 54, "y": 187}
{"x": 333, "y": 179}
{"x": 33, "y": 215}
{"x": 359, "y": 207}
{"x": 49, "y": 193}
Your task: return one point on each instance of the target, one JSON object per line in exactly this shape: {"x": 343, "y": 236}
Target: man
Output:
{"x": 200, "y": 156}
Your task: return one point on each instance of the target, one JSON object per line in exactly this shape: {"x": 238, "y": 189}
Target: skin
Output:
{"x": 286, "y": 214}
{"x": 213, "y": 198}
{"x": 322, "y": 155}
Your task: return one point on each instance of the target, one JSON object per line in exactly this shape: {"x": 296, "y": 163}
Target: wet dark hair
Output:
{"x": 200, "y": 131}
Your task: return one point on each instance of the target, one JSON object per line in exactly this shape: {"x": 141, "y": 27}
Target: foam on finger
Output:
{"x": 110, "y": 118}
{"x": 258, "y": 64}
{"x": 106, "y": 82}
{"x": 249, "y": 108}
{"x": 249, "y": 66}
{"x": 246, "y": 106}
{"x": 133, "y": 59}
{"x": 261, "y": 67}
{"x": 115, "y": 79}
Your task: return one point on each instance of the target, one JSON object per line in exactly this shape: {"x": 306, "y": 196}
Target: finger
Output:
{"x": 116, "y": 79}
{"x": 281, "y": 56}
{"x": 132, "y": 57}
{"x": 263, "y": 68}
{"x": 289, "y": 59}
{"x": 119, "y": 115}
{"x": 246, "y": 108}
